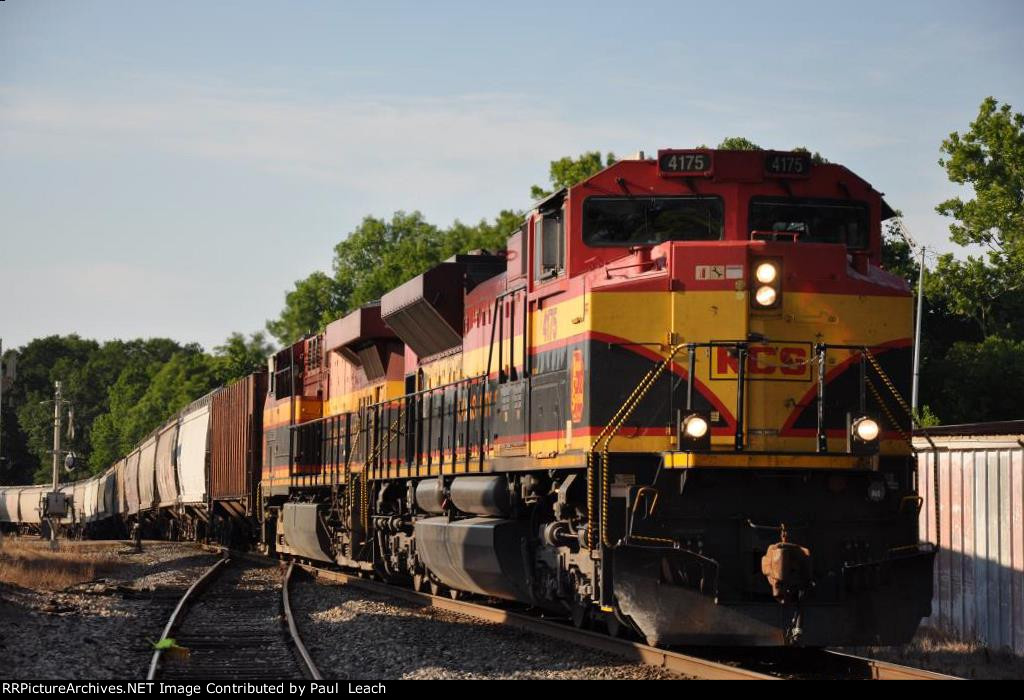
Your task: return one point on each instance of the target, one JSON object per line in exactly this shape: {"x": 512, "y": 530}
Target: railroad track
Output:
{"x": 709, "y": 664}
{"x": 228, "y": 626}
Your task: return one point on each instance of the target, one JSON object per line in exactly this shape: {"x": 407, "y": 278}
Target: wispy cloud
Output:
{"x": 363, "y": 143}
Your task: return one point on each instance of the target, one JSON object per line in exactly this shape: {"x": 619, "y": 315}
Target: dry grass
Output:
{"x": 936, "y": 651}
{"x": 31, "y": 564}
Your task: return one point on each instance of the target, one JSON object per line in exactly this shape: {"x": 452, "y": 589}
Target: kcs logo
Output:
{"x": 769, "y": 361}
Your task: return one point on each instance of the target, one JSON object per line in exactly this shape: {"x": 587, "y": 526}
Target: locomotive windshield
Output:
{"x": 813, "y": 220}
{"x": 629, "y": 221}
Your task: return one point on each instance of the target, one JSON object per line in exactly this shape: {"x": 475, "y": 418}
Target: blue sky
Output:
{"x": 172, "y": 168}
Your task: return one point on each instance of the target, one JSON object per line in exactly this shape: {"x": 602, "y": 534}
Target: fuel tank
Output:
{"x": 478, "y": 555}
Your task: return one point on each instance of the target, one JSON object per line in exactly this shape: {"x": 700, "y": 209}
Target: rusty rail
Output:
{"x": 198, "y": 585}
{"x": 309, "y": 667}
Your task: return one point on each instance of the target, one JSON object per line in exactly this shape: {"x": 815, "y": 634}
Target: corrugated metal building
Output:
{"x": 979, "y": 571}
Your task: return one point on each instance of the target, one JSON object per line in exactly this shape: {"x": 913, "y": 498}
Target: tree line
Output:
{"x": 119, "y": 391}
{"x": 972, "y": 347}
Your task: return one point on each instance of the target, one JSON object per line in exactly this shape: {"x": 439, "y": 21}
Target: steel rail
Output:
{"x": 307, "y": 661}
{"x": 676, "y": 662}
{"x": 888, "y": 671}
{"x": 634, "y": 651}
{"x": 198, "y": 585}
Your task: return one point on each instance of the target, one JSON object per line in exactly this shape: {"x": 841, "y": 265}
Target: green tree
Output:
{"x": 377, "y": 256}
{"x": 738, "y": 143}
{"x": 567, "y": 171}
{"x": 145, "y": 395}
{"x": 897, "y": 256}
{"x": 486, "y": 235}
{"x": 989, "y": 159}
{"x": 315, "y": 301}
{"x": 86, "y": 370}
{"x": 184, "y": 378}
{"x": 238, "y": 356}
{"x": 380, "y": 254}
{"x": 979, "y": 381}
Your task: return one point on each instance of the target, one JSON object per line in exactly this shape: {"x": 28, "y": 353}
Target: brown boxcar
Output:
{"x": 236, "y": 454}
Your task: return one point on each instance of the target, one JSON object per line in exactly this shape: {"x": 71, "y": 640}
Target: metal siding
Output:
{"x": 28, "y": 504}
{"x": 979, "y": 572}
{"x": 89, "y": 499}
{"x": 945, "y": 554}
{"x": 1017, "y": 533}
{"x": 992, "y": 559}
{"x": 147, "y": 474}
{"x": 235, "y": 442}
{"x": 108, "y": 494}
{"x": 981, "y": 537}
{"x": 121, "y": 501}
{"x": 1005, "y": 553}
{"x": 970, "y": 619}
{"x": 131, "y": 483}
{"x": 191, "y": 455}
{"x": 956, "y": 541}
{"x": 78, "y": 495}
{"x": 9, "y": 508}
{"x": 166, "y": 479}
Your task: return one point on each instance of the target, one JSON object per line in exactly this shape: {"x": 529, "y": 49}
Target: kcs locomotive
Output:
{"x": 673, "y": 405}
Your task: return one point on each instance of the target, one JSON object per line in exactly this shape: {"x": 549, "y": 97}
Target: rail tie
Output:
{"x": 239, "y": 630}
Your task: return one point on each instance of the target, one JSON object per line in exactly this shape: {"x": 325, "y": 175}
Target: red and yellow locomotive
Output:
{"x": 672, "y": 405}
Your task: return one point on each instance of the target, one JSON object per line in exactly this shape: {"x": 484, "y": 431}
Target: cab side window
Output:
{"x": 549, "y": 245}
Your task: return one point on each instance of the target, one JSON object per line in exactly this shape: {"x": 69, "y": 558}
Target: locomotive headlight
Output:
{"x": 766, "y": 283}
{"x": 862, "y": 433}
{"x": 866, "y": 429}
{"x": 766, "y": 273}
{"x": 766, "y": 295}
{"x": 695, "y": 426}
{"x": 694, "y": 431}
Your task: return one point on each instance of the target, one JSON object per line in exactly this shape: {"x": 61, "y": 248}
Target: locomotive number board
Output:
{"x": 787, "y": 164}
{"x": 685, "y": 163}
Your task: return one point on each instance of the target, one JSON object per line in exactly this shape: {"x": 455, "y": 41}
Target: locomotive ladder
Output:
{"x": 604, "y": 440}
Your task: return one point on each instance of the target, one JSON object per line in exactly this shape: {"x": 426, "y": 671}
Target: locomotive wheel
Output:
{"x": 454, "y": 594}
{"x": 436, "y": 588}
{"x": 419, "y": 583}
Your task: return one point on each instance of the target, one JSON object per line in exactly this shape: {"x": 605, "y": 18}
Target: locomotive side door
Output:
{"x": 511, "y": 395}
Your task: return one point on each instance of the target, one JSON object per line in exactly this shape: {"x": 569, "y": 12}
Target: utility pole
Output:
{"x": 3, "y": 377}
{"x": 901, "y": 227}
{"x": 57, "y": 406}
{"x": 917, "y": 336}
